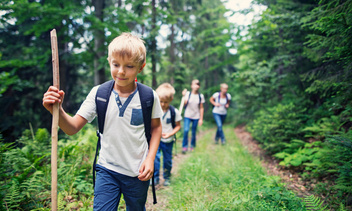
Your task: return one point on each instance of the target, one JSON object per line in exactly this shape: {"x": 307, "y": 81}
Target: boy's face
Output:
{"x": 165, "y": 103}
{"x": 124, "y": 71}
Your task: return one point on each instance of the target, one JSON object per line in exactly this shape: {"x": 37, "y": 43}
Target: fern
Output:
{"x": 60, "y": 202}
{"x": 314, "y": 203}
{"x": 13, "y": 198}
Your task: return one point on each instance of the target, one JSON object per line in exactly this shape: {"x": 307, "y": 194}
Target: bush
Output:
{"x": 277, "y": 126}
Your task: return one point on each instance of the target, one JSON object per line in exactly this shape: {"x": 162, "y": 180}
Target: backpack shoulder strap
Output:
{"x": 146, "y": 97}
{"x": 172, "y": 111}
{"x": 189, "y": 97}
{"x": 102, "y": 100}
{"x": 147, "y": 100}
{"x": 200, "y": 99}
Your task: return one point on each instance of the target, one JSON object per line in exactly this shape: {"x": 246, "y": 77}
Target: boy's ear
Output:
{"x": 143, "y": 65}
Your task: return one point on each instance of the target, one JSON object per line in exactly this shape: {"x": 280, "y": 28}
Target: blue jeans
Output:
{"x": 187, "y": 122}
{"x": 167, "y": 160}
{"x": 219, "y": 119}
{"x": 108, "y": 188}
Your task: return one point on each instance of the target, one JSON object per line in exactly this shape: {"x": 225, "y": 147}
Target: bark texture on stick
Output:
{"x": 55, "y": 121}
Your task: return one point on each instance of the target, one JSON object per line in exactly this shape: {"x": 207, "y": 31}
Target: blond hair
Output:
{"x": 128, "y": 46}
{"x": 166, "y": 90}
{"x": 224, "y": 85}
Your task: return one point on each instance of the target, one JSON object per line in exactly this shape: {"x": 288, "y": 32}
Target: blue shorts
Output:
{"x": 108, "y": 188}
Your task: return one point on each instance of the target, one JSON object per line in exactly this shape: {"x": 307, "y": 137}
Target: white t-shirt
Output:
{"x": 220, "y": 109}
{"x": 166, "y": 123}
{"x": 124, "y": 146}
{"x": 192, "y": 110}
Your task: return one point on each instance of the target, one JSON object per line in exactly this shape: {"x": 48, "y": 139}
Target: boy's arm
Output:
{"x": 147, "y": 169}
{"x": 70, "y": 125}
{"x": 174, "y": 131}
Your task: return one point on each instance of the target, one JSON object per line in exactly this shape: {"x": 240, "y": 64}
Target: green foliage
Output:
{"x": 26, "y": 175}
{"x": 341, "y": 157}
{"x": 309, "y": 155}
{"x": 314, "y": 203}
{"x": 276, "y": 126}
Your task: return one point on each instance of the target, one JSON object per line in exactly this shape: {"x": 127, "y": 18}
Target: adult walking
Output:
{"x": 221, "y": 102}
{"x": 194, "y": 111}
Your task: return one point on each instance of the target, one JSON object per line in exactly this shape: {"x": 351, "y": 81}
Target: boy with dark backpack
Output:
{"x": 129, "y": 126}
{"x": 171, "y": 125}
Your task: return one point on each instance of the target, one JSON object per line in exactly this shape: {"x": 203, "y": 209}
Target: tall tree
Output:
{"x": 26, "y": 59}
{"x": 99, "y": 40}
{"x": 153, "y": 49}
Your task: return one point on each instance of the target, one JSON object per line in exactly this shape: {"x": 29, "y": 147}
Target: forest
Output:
{"x": 290, "y": 77}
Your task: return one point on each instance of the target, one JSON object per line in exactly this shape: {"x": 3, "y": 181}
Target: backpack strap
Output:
{"x": 101, "y": 101}
{"x": 227, "y": 100}
{"x": 146, "y": 97}
{"x": 189, "y": 96}
{"x": 147, "y": 100}
{"x": 172, "y": 111}
{"x": 200, "y": 99}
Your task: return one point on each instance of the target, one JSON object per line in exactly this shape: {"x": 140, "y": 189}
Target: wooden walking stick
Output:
{"x": 55, "y": 122}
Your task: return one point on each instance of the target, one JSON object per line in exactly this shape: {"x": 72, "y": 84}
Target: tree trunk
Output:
{"x": 99, "y": 39}
{"x": 153, "y": 44}
{"x": 172, "y": 54}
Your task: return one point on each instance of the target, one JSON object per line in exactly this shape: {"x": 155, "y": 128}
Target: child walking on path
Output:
{"x": 171, "y": 125}
{"x": 221, "y": 101}
{"x": 125, "y": 164}
{"x": 194, "y": 112}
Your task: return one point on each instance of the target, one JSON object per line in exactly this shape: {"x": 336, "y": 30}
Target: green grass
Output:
{"x": 216, "y": 177}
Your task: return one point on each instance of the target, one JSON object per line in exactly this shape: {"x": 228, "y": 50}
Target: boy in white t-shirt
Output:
{"x": 221, "y": 102}
{"x": 194, "y": 112}
{"x": 125, "y": 164}
{"x": 171, "y": 125}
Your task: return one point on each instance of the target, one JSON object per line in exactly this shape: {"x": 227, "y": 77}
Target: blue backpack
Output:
{"x": 173, "y": 114}
{"x": 102, "y": 101}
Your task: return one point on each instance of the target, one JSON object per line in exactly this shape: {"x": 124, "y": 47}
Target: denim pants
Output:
{"x": 108, "y": 188}
{"x": 166, "y": 148}
{"x": 219, "y": 119}
{"x": 187, "y": 122}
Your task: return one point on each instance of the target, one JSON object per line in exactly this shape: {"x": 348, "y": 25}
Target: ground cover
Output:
{"x": 223, "y": 177}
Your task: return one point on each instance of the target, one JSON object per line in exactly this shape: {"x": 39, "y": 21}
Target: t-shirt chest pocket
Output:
{"x": 137, "y": 117}
{"x": 168, "y": 121}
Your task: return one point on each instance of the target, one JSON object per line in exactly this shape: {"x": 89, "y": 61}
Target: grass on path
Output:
{"x": 226, "y": 177}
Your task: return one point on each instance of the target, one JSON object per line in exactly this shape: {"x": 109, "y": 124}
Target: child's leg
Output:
{"x": 194, "y": 132}
{"x": 107, "y": 192}
{"x": 167, "y": 155}
{"x": 157, "y": 164}
{"x": 134, "y": 192}
{"x": 185, "y": 132}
